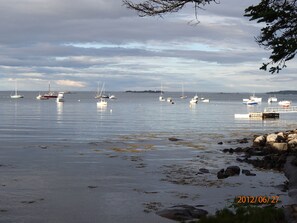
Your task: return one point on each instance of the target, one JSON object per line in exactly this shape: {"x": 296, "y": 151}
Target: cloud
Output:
{"x": 71, "y": 83}
{"x": 78, "y": 43}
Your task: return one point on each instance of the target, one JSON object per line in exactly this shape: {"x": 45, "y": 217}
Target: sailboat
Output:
{"x": 50, "y": 94}
{"x": 161, "y": 98}
{"x": 16, "y": 95}
{"x": 183, "y": 96}
{"x": 100, "y": 94}
{"x": 102, "y": 102}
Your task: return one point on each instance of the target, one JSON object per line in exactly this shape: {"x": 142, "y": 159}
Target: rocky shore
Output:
{"x": 276, "y": 151}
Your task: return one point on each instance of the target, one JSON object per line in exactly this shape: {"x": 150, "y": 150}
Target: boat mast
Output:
{"x": 16, "y": 88}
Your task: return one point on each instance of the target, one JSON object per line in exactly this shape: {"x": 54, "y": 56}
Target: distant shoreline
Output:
{"x": 282, "y": 92}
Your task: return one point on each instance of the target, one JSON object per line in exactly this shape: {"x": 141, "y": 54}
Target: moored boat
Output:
{"x": 102, "y": 103}
{"x": 250, "y": 102}
{"x": 112, "y": 97}
{"x": 50, "y": 94}
{"x": 194, "y": 100}
{"x": 272, "y": 99}
{"x": 16, "y": 95}
{"x": 205, "y": 100}
{"x": 60, "y": 97}
{"x": 183, "y": 96}
{"x": 285, "y": 103}
{"x": 41, "y": 97}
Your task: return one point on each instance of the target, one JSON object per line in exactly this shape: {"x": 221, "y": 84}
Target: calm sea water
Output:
{"x": 79, "y": 119}
{"x": 106, "y": 181}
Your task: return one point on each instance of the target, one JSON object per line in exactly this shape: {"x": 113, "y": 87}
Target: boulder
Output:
{"x": 292, "y": 136}
{"x": 271, "y": 138}
{"x": 182, "y": 213}
{"x": 281, "y": 137}
{"x": 280, "y": 146}
{"x": 221, "y": 174}
{"x": 260, "y": 141}
{"x": 292, "y": 144}
{"x": 232, "y": 170}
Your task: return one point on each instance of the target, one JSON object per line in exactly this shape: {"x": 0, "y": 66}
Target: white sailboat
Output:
{"x": 161, "y": 98}
{"x": 183, "y": 96}
{"x": 101, "y": 93}
{"x": 102, "y": 102}
{"x": 97, "y": 96}
{"x": 16, "y": 95}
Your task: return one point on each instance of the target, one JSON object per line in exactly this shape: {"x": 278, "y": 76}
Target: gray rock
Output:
{"x": 182, "y": 213}
{"x": 221, "y": 174}
{"x": 232, "y": 170}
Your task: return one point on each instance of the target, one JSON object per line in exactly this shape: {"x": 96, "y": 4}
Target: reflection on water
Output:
{"x": 101, "y": 108}
{"x": 60, "y": 107}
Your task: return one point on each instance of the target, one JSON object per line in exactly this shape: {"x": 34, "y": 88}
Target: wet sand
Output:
{"x": 127, "y": 179}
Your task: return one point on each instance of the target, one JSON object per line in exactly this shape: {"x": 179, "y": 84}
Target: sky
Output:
{"x": 76, "y": 44}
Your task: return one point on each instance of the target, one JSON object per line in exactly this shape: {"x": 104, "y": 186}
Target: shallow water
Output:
{"x": 74, "y": 162}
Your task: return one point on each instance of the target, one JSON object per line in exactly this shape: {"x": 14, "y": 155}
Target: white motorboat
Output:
{"x": 250, "y": 102}
{"x": 256, "y": 99}
{"x": 205, "y": 100}
{"x": 16, "y": 95}
{"x": 169, "y": 99}
{"x": 252, "y": 98}
{"x": 194, "y": 100}
{"x": 112, "y": 97}
{"x": 272, "y": 99}
{"x": 60, "y": 97}
{"x": 285, "y": 103}
{"x": 161, "y": 98}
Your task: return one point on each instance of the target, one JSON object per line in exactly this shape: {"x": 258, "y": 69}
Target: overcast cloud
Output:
{"x": 76, "y": 43}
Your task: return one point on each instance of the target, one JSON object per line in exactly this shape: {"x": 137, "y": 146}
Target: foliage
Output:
{"x": 280, "y": 31}
{"x": 249, "y": 214}
{"x": 160, "y": 7}
{"x": 279, "y": 17}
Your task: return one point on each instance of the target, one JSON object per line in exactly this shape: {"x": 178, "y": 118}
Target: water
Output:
{"x": 79, "y": 119}
{"x": 73, "y": 162}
